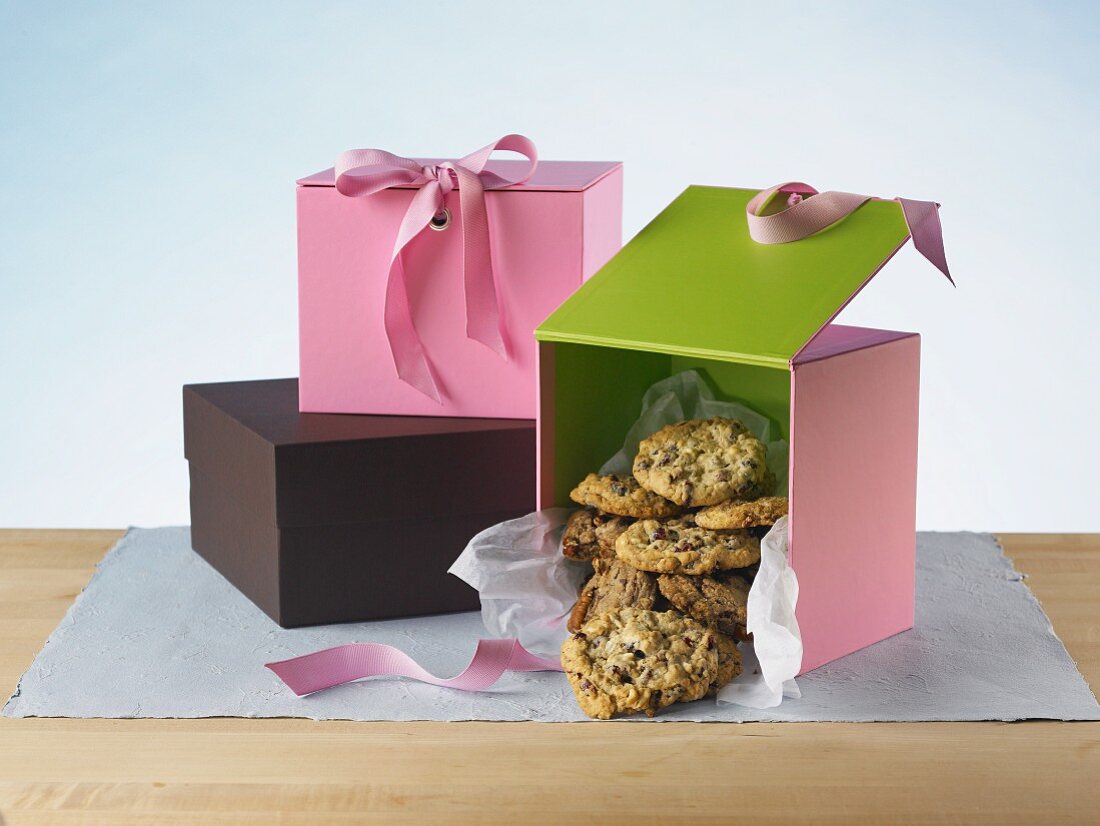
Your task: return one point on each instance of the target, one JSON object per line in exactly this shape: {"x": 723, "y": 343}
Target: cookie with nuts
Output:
{"x": 701, "y": 462}
{"x": 758, "y": 513}
{"x": 678, "y": 546}
{"x": 614, "y": 585}
{"x": 718, "y": 601}
{"x": 729, "y": 662}
{"x": 621, "y": 496}
{"x": 633, "y": 660}
{"x": 590, "y": 534}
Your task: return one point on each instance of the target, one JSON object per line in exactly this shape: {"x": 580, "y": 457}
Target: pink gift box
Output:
{"x": 546, "y": 236}
{"x": 755, "y": 319}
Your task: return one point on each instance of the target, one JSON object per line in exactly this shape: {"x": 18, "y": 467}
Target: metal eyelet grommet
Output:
{"x": 442, "y": 221}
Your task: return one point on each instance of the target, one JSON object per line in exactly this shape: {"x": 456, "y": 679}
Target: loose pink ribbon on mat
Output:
{"x": 363, "y": 172}
{"x": 347, "y": 663}
{"x": 808, "y": 211}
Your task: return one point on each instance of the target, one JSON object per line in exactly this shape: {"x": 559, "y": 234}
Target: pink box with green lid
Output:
{"x": 693, "y": 290}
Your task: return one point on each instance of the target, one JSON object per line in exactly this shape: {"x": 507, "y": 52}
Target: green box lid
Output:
{"x": 694, "y": 283}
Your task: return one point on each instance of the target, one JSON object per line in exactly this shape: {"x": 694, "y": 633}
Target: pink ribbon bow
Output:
{"x": 363, "y": 172}
{"x": 808, "y": 211}
{"x": 346, "y": 663}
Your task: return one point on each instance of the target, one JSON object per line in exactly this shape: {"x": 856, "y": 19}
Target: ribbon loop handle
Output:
{"x": 363, "y": 172}
{"x": 806, "y": 211}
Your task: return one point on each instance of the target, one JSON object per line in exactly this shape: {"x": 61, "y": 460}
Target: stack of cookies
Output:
{"x": 673, "y": 549}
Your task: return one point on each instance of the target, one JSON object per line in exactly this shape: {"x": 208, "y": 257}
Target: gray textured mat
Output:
{"x": 159, "y": 633}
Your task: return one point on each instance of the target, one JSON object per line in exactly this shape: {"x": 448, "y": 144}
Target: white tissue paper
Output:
{"x": 527, "y": 587}
{"x": 774, "y": 656}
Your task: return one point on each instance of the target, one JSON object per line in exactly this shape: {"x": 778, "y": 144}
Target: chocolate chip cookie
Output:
{"x": 621, "y": 496}
{"x": 615, "y": 585}
{"x": 590, "y": 534}
{"x": 758, "y": 513}
{"x": 633, "y": 660}
{"x": 766, "y": 487}
{"x": 701, "y": 462}
{"x": 729, "y": 662}
{"x": 678, "y": 546}
{"x": 720, "y": 602}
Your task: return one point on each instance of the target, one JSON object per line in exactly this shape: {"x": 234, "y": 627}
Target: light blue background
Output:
{"x": 148, "y": 153}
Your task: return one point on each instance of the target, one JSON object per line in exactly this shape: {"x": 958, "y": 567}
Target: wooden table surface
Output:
{"x": 300, "y": 771}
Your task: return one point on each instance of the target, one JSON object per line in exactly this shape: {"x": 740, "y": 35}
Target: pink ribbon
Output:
{"x": 363, "y": 172}
{"x": 347, "y": 663}
{"x": 807, "y": 211}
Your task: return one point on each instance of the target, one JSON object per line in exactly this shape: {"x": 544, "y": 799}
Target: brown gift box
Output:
{"x": 321, "y": 518}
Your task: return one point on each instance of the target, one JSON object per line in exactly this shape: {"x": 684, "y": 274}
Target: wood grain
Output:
{"x": 300, "y": 771}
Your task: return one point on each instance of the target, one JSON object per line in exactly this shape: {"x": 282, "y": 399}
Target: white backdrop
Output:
{"x": 148, "y": 153}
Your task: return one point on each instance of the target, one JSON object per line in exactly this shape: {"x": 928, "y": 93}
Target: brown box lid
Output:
{"x": 322, "y": 469}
